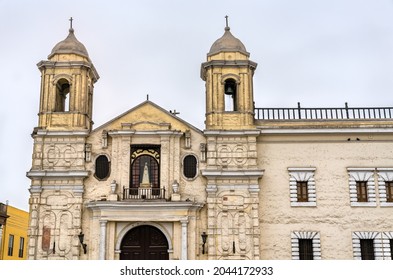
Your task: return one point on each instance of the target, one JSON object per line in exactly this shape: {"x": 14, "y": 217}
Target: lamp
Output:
{"x": 81, "y": 237}
{"x": 204, "y": 237}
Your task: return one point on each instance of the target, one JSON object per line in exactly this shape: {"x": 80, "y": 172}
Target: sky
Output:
{"x": 319, "y": 53}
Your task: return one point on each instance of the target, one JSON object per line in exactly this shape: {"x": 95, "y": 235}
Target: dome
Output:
{"x": 227, "y": 42}
{"x": 70, "y": 45}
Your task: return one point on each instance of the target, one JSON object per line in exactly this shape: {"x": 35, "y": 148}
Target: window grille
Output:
{"x": 190, "y": 166}
{"x": 367, "y": 249}
{"x": 302, "y": 192}
{"x": 361, "y": 189}
{"x": 306, "y": 249}
{"x": 102, "y": 167}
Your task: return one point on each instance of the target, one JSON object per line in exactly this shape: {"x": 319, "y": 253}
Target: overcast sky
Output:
{"x": 320, "y": 53}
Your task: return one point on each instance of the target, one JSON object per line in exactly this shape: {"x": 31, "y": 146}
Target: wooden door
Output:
{"x": 144, "y": 243}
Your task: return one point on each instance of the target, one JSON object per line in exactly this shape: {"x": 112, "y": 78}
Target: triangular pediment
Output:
{"x": 147, "y": 116}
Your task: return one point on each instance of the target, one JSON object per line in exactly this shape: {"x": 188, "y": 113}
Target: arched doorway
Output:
{"x": 144, "y": 243}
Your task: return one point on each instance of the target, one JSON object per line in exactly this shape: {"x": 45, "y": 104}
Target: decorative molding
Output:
{"x": 125, "y": 230}
{"x": 377, "y": 240}
{"x": 76, "y": 190}
{"x": 65, "y": 76}
{"x": 43, "y": 132}
{"x": 316, "y": 243}
{"x": 203, "y": 149}
{"x": 302, "y": 174}
{"x": 120, "y": 210}
{"x": 325, "y": 130}
{"x": 384, "y": 175}
{"x": 231, "y": 132}
{"x": 41, "y": 174}
{"x": 153, "y": 132}
{"x": 196, "y": 167}
{"x": 362, "y": 175}
{"x": 230, "y": 76}
{"x": 251, "y": 174}
{"x": 387, "y": 237}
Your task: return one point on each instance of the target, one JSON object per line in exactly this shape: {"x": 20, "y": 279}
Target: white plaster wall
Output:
{"x": 333, "y": 216}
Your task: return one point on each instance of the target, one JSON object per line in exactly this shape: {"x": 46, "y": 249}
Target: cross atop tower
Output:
{"x": 71, "y": 19}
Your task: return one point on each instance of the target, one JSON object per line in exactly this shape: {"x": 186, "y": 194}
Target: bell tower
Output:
{"x": 232, "y": 171}
{"x": 228, "y": 74}
{"x": 58, "y": 161}
{"x": 67, "y": 82}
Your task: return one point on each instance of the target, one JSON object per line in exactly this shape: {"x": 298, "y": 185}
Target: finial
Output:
{"x": 71, "y": 29}
{"x": 227, "y": 25}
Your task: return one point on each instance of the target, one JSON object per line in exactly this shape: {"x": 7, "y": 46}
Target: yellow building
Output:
{"x": 13, "y": 233}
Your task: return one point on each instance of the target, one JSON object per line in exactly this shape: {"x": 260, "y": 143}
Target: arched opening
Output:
{"x": 145, "y": 170}
{"x": 230, "y": 90}
{"x": 144, "y": 243}
{"x": 62, "y": 101}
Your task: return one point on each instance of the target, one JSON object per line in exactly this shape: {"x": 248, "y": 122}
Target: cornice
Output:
{"x": 325, "y": 130}
{"x": 41, "y": 174}
{"x": 153, "y": 132}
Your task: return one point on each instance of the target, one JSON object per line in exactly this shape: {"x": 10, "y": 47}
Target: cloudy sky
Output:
{"x": 320, "y": 53}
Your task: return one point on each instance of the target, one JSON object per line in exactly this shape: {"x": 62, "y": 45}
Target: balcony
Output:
{"x": 343, "y": 113}
{"x": 143, "y": 193}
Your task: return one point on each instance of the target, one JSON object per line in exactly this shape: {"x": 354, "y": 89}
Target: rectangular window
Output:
{"x": 367, "y": 249}
{"x": 361, "y": 190}
{"x": 389, "y": 191}
{"x": 302, "y": 192}
{"x": 10, "y": 245}
{"x": 302, "y": 186}
{"x": 306, "y": 249}
{"x": 21, "y": 246}
{"x": 306, "y": 245}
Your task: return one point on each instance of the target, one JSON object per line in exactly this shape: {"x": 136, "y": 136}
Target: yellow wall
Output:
{"x": 15, "y": 225}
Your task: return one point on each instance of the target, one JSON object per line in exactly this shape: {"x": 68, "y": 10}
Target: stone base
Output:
{"x": 175, "y": 197}
{"x": 113, "y": 197}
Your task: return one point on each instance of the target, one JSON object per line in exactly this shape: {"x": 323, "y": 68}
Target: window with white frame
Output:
{"x": 367, "y": 245}
{"x": 387, "y": 244}
{"x": 385, "y": 186}
{"x": 362, "y": 187}
{"x": 302, "y": 186}
{"x": 306, "y": 245}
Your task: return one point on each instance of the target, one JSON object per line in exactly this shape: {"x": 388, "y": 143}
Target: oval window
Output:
{"x": 190, "y": 167}
{"x": 102, "y": 167}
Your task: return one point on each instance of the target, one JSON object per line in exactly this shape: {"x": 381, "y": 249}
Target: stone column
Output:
{"x": 184, "y": 237}
{"x": 102, "y": 239}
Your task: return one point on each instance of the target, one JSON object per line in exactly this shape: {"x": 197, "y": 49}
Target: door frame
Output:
{"x": 126, "y": 229}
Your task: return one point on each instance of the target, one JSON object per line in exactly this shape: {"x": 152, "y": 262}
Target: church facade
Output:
{"x": 256, "y": 183}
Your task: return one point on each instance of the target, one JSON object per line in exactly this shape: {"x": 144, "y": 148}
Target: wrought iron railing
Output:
{"x": 143, "y": 193}
{"x": 343, "y": 113}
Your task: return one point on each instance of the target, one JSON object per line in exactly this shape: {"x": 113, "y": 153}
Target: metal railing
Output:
{"x": 343, "y": 113}
{"x": 143, "y": 193}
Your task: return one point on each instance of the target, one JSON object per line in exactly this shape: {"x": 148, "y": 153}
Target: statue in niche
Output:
{"x": 145, "y": 177}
